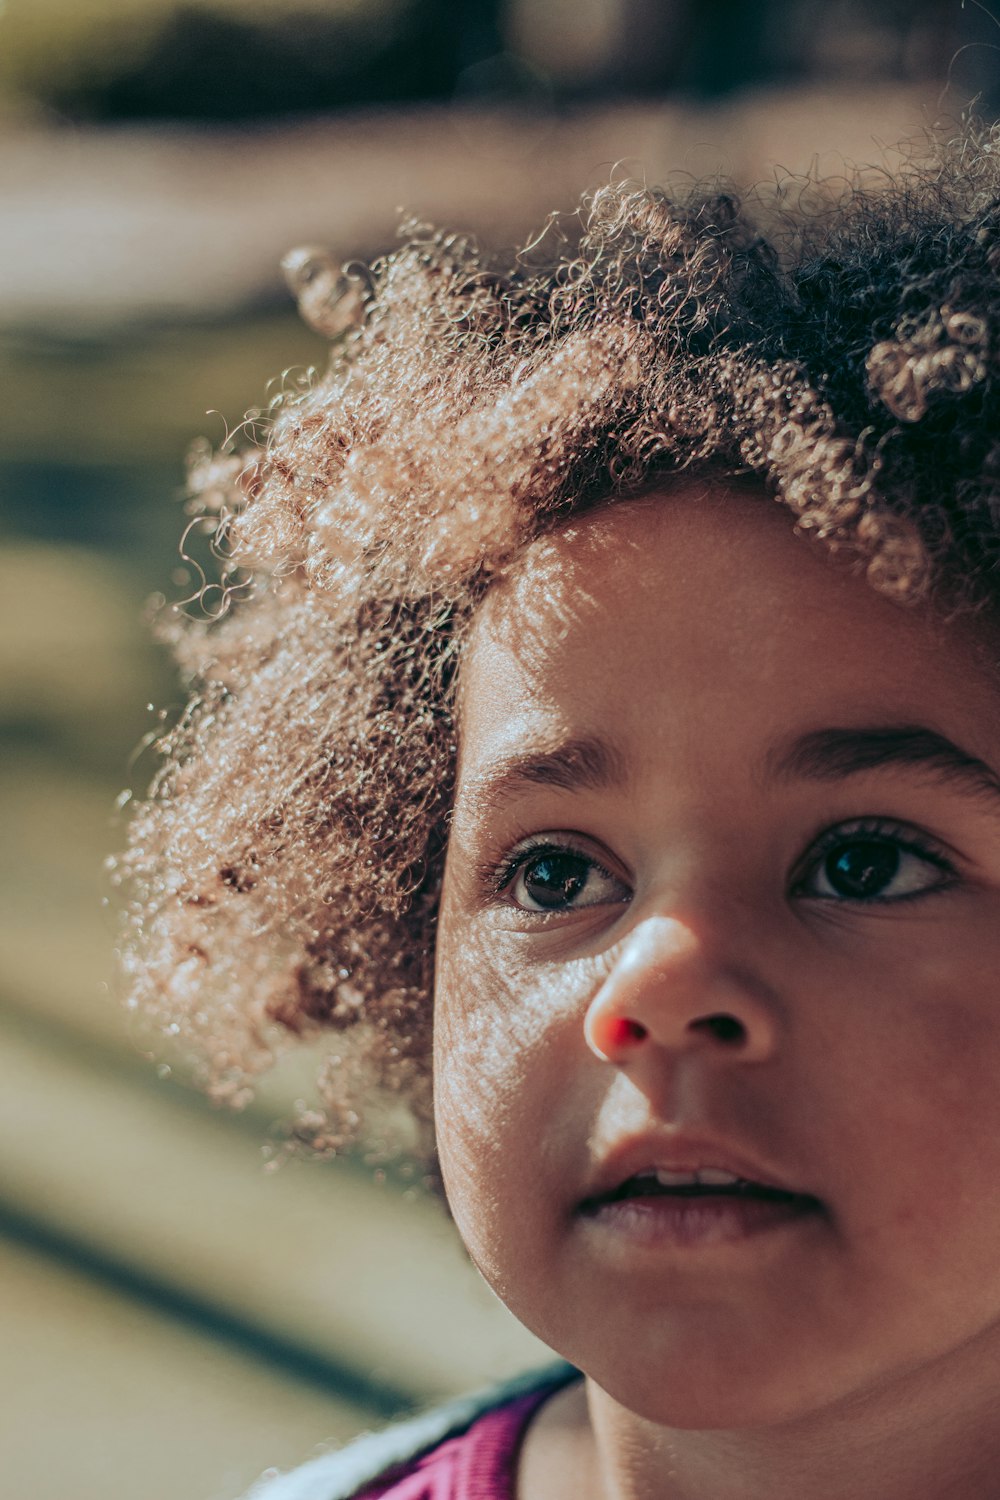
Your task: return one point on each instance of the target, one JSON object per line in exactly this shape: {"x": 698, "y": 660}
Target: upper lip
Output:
{"x": 678, "y": 1152}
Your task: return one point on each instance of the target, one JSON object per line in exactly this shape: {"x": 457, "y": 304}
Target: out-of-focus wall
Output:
{"x": 174, "y": 1317}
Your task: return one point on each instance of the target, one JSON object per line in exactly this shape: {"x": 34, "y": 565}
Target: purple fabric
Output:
{"x": 481, "y": 1464}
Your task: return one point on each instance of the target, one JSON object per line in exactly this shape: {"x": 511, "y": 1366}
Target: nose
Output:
{"x": 666, "y": 991}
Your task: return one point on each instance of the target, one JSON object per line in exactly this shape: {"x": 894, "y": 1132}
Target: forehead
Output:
{"x": 663, "y": 618}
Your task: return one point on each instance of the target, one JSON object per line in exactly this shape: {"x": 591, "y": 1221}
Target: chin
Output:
{"x": 724, "y": 1389}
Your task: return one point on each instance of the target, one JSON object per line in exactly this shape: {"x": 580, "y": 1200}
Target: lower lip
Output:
{"x": 695, "y": 1222}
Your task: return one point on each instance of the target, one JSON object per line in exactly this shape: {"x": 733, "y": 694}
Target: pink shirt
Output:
{"x": 481, "y": 1464}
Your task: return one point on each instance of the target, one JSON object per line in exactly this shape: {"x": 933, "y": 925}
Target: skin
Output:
{"x": 859, "y": 1053}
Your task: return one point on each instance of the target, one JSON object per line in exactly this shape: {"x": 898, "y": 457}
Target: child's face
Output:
{"x": 751, "y": 922}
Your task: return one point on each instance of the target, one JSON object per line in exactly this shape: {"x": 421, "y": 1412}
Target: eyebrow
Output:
{"x": 831, "y": 754}
{"x": 585, "y": 763}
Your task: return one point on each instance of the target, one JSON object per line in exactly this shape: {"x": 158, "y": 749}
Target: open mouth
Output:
{"x": 707, "y": 1204}
{"x": 706, "y": 1182}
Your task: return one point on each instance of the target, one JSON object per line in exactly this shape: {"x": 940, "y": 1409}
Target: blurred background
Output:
{"x": 173, "y": 1316}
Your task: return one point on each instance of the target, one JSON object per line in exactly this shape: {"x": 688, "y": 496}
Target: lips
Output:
{"x": 709, "y": 1183}
{"x": 684, "y": 1198}
{"x": 685, "y": 1169}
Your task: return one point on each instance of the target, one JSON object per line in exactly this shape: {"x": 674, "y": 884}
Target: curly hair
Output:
{"x": 839, "y": 346}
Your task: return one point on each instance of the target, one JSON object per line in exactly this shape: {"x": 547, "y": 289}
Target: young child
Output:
{"x": 612, "y": 670}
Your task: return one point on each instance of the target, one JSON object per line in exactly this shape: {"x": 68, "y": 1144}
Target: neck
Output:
{"x": 920, "y": 1442}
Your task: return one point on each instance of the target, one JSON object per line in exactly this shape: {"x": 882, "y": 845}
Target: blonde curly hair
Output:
{"x": 837, "y": 346}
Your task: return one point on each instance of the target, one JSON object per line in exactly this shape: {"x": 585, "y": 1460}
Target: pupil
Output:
{"x": 862, "y": 869}
{"x": 555, "y": 879}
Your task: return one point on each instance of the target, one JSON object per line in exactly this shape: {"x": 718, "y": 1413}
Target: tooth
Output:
{"x": 675, "y": 1179}
{"x": 715, "y": 1177}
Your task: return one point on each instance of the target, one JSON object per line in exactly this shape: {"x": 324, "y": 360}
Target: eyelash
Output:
{"x": 495, "y": 879}
{"x": 878, "y": 830}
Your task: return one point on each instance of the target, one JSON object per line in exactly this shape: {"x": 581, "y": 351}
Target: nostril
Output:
{"x": 611, "y": 1037}
{"x": 628, "y": 1030}
{"x": 723, "y": 1028}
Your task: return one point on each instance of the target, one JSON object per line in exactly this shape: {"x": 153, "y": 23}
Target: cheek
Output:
{"x": 911, "y": 1094}
{"x": 504, "y": 1071}
{"x": 489, "y": 1041}
{"x": 943, "y": 1038}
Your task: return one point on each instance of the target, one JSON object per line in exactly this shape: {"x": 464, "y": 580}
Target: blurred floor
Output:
{"x": 105, "y": 1396}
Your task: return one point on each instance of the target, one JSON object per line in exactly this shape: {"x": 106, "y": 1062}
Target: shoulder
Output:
{"x": 417, "y": 1458}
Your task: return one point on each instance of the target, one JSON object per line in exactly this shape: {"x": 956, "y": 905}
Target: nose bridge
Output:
{"x": 668, "y": 988}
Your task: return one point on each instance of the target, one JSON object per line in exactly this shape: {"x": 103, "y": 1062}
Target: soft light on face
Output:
{"x": 723, "y": 891}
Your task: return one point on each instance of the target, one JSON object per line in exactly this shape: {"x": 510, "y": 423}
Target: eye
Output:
{"x": 873, "y": 862}
{"x": 556, "y": 878}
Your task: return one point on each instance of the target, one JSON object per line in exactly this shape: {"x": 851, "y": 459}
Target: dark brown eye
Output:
{"x": 562, "y": 880}
{"x": 867, "y": 864}
{"x": 863, "y": 869}
{"x": 555, "y": 879}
